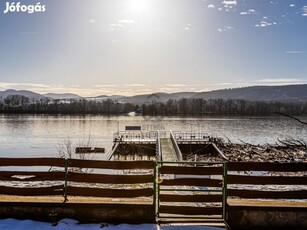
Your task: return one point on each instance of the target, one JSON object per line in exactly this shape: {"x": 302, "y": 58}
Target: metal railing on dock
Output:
{"x": 194, "y": 136}
{"x": 176, "y": 147}
{"x": 135, "y": 136}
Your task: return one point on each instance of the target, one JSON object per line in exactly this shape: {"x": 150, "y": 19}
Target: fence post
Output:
{"x": 224, "y": 190}
{"x": 154, "y": 188}
{"x": 65, "y": 179}
{"x": 158, "y": 187}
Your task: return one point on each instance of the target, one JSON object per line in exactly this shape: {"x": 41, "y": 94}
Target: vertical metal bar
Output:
{"x": 154, "y": 188}
{"x": 224, "y": 190}
{"x": 158, "y": 190}
{"x": 65, "y": 179}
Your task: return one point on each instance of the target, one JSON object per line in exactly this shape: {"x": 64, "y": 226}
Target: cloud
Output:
{"x": 5, "y": 85}
{"x": 304, "y": 11}
{"x": 116, "y": 25}
{"x": 292, "y": 5}
{"x": 134, "y": 85}
{"x": 229, "y": 5}
{"x": 177, "y": 85}
{"x": 295, "y": 52}
{"x": 126, "y": 21}
{"x": 226, "y": 29}
{"x": 211, "y": 6}
{"x": 276, "y": 81}
{"x": 265, "y": 24}
{"x": 249, "y": 11}
{"x": 229, "y": 2}
{"x": 104, "y": 86}
{"x": 93, "y": 21}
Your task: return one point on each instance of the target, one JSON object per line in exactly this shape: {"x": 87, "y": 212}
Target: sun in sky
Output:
{"x": 139, "y": 6}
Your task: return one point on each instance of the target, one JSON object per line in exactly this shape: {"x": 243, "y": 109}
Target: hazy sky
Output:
{"x": 125, "y": 47}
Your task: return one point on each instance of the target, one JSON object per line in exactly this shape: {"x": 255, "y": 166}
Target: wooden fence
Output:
{"x": 133, "y": 179}
{"x": 27, "y": 180}
{"x": 262, "y": 180}
{"x": 86, "y": 178}
{"x": 131, "y": 185}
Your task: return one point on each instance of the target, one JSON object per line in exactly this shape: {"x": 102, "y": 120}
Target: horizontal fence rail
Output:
{"x": 264, "y": 180}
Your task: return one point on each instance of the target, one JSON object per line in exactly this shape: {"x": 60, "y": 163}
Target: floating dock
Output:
{"x": 167, "y": 146}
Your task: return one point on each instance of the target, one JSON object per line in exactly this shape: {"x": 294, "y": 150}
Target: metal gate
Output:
{"x": 191, "y": 190}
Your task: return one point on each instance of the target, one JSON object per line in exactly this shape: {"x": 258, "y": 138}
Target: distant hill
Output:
{"x": 286, "y": 93}
{"x": 156, "y": 97}
{"x": 259, "y": 93}
{"x": 62, "y": 96}
{"x": 29, "y": 94}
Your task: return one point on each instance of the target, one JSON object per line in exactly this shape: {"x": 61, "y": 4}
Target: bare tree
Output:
{"x": 294, "y": 118}
{"x": 66, "y": 148}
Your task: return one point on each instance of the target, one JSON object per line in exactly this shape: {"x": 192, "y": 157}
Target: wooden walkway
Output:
{"x": 168, "y": 151}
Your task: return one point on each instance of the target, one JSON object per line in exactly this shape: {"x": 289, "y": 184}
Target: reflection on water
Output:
{"x": 38, "y": 135}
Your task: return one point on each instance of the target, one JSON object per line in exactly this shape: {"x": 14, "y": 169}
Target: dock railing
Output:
{"x": 137, "y": 136}
{"x": 191, "y": 136}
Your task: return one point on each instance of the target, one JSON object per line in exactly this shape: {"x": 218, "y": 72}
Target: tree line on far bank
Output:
{"x": 180, "y": 107}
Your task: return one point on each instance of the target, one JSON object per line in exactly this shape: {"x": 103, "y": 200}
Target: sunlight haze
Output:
{"x": 129, "y": 47}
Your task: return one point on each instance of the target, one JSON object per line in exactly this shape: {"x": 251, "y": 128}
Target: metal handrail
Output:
{"x": 176, "y": 147}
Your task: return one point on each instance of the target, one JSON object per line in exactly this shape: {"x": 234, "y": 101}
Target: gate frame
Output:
{"x": 157, "y": 190}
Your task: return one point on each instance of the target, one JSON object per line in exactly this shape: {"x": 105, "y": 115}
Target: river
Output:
{"x": 41, "y": 135}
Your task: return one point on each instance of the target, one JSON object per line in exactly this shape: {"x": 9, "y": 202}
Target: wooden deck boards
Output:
{"x": 168, "y": 151}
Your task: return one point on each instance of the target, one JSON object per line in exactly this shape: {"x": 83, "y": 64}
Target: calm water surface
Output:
{"x": 39, "y": 135}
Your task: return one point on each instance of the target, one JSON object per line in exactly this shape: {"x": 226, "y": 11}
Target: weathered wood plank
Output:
{"x": 190, "y": 198}
{"x": 35, "y": 191}
{"x": 59, "y": 162}
{"x": 192, "y": 182}
{"x": 186, "y": 210}
{"x": 111, "y": 179}
{"x": 111, "y": 164}
{"x": 113, "y": 193}
{"x": 85, "y": 150}
{"x": 31, "y": 176}
{"x": 267, "y": 166}
{"x": 188, "y": 170}
{"x": 253, "y": 194}
{"x": 262, "y": 180}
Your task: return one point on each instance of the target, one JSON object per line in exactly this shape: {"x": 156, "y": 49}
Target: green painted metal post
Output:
{"x": 158, "y": 190}
{"x": 65, "y": 179}
{"x": 154, "y": 188}
{"x": 224, "y": 190}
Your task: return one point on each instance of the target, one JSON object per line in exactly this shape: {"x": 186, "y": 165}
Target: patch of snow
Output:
{"x": 69, "y": 224}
